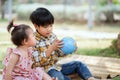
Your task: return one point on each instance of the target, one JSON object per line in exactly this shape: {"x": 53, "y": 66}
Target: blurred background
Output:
{"x": 94, "y": 24}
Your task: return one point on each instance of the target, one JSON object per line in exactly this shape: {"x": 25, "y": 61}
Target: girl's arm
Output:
{"x": 9, "y": 68}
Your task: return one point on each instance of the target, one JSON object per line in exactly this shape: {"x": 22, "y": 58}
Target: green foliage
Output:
{"x": 105, "y": 2}
{"x": 116, "y": 78}
{"x": 116, "y": 1}
{"x": 114, "y": 43}
{"x": 86, "y": 51}
{"x": 3, "y": 20}
{"x": 49, "y": 1}
{"x": 110, "y": 51}
{"x": 1, "y": 65}
{"x": 107, "y": 52}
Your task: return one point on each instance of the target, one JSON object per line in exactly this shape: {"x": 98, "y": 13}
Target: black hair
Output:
{"x": 19, "y": 33}
{"x": 41, "y": 17}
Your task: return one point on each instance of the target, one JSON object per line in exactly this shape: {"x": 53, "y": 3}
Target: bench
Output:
{"x": 100, "y": 67}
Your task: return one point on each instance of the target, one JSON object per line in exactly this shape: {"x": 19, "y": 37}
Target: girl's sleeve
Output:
{"x": 7, "y": 57}
{"x": 9, "y": 52}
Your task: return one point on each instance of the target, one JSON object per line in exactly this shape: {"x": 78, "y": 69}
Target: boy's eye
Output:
{"x": 50, "y": 25}
{"x": 45, "y": 26}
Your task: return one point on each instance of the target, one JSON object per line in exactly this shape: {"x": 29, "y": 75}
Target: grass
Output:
{"x": 3, "y": 20}
{"x": 4, "y": 37}
{"x": 116, "y": 78}
{"x": 98, "y": 52}
{"x": 98, "y": 48}
{"x": 1, "y": 65}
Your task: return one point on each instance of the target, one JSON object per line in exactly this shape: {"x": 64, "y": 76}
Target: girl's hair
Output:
{"x": 41, "y": 17}
{"x": 19, "y": 33}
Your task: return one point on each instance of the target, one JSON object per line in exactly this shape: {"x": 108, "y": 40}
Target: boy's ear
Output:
{"x": 35, "y": 25}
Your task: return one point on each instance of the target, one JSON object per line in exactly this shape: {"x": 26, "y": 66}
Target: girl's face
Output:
{"x": 45, "y": 31}
{"x": 31, "y": 38}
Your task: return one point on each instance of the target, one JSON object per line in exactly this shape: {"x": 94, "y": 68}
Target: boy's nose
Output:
{"x": 49, "y": 28}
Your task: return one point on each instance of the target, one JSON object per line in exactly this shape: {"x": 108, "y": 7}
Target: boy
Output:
{"x": 46, "y": 51}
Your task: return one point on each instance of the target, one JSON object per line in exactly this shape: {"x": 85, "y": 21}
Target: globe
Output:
{"x": 69, "y": 45}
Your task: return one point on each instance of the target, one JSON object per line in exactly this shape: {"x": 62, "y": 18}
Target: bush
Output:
{"x": 114, "y": 48}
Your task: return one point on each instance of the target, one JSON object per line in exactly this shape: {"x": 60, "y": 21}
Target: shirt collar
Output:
{"x": 39, "y": 36}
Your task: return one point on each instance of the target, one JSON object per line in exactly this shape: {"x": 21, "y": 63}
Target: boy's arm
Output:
{"x": 60, "y": 53}
{"x": 54, "y": 47}
{"x": 49, "y": 51}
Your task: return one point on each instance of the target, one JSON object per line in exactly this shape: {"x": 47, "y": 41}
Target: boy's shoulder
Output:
{"x": 53, "y": 35}
{"x": 40, "y": 37}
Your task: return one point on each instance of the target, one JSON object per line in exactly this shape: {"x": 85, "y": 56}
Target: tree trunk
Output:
{"x": 110, "y": 15}
{"x": 118, "y": 44}
{"x": 110, "y": 2}
{"x": 2, "y": 9}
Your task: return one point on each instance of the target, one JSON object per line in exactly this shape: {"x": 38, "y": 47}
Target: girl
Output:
{"x": 18, "y": 60}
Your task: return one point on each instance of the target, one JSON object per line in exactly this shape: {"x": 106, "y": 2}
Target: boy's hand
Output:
{"x": 56, "y": 44}
{"x": 54, "y": 78}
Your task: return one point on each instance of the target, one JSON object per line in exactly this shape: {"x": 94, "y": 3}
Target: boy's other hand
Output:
{"x": 54, "y": 78}
{"x": 56, "y": 44}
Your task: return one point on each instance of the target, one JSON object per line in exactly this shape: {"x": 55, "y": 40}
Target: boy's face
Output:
{"x": 45, "y": 31}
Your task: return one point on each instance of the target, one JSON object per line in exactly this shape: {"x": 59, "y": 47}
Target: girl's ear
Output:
{"x": 24, "y": 42}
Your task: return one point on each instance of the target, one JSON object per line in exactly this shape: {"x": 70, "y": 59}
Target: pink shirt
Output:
{"x": 22, "y": 70}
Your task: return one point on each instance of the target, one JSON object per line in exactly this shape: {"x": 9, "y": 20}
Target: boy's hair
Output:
{"x": 19, "y": 33}
{"x": 41, "y": 17}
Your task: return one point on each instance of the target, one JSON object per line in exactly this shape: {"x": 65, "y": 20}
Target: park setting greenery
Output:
{"x": 105, "y": 14}
{"x": 92, "y": 47}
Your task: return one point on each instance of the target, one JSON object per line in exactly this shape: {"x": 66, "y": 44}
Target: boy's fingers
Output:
{"x": 54, "y": 78}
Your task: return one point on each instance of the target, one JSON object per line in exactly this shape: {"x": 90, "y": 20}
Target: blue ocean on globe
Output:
{"x": 69, "y": 45}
